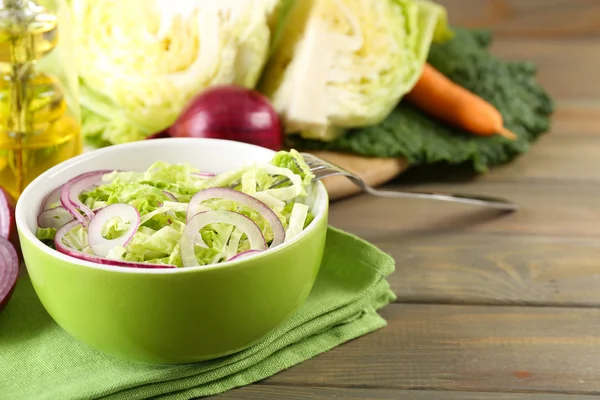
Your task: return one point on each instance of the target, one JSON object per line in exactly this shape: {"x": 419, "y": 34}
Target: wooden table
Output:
{"x": 489, "y": 306}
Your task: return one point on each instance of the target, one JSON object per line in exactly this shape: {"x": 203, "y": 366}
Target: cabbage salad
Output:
{"x": 174, "y": 216}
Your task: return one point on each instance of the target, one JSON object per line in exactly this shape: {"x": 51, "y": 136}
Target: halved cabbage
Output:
{"x": 141, "y": 61}
{"x": 346, "y": 63}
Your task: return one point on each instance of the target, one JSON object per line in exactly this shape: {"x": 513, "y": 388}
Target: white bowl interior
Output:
{"x": 209, "y": 155}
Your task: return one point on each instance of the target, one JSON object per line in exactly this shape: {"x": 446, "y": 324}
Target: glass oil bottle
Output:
{"x": 40, "y": 122}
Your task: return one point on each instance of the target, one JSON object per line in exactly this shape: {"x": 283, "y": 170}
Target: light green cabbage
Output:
{"x": 141, "y": 61}
{"x": 346, "y": 63}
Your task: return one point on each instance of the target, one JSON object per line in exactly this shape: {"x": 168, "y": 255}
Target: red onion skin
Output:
{"x": 95, "y": 225}
{"x": 62, "y": 248}
{"x": 159, "y": 135}
{"x": 13, "y": 272}
{"x": 8, "y": 226}
{"x": 231, "y": 113}
{"x": 116, "y": 263}
{"x": 198, "y": 221}
{"x": 53, "y": 194}
{"x": 243, "y": 199}
{"x": 244, "y": 254}
{"x": 170, "y": 195}
{"x": 51, "y": 210}
{"x": 70, "y": 201}
{"x": 4, "y": 301}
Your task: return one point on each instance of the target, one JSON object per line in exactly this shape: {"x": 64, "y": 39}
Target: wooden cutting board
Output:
{"x": 374, "y": 171}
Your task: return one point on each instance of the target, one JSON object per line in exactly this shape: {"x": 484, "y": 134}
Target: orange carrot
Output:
{"x": 438, "y": 96}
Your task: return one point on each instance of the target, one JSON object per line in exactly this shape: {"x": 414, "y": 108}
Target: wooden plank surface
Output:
{"x": 567, "y": 67}
{"x": 546, "y": 209}
{"x": 469, "y": 348}
{"x": 531, "y": 18}
{"x": 498, "y": 269}
{"x": 554, "y": 159}
{"x": 323, "y": 393}
{"x": 571, "y": 159}
{"x": 559, "y": 158}
{"x": 576, "y": 118}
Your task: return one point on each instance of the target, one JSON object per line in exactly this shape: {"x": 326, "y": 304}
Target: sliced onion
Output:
{"x": 101, "y": 246}
{"x": 204, "y": 174}
{"x": 69, "y": 195}
{"x": 244, "y": 254}
{"x": 243, "y": 199}
{"x": 52, "y": 199}
{"x": 59, "y": 238}
{"x": 9, "y": 271}
{"x": 59, "y": 243}
{"x": 7, "y": 216}
{"x": 234, "y": 243}
{"x": 54, "y": 218}
{"x": 171, "y": 196}
{"x": 191, "y": 233}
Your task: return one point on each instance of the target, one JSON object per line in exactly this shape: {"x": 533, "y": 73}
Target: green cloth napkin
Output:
{"x": 38, "y": 360}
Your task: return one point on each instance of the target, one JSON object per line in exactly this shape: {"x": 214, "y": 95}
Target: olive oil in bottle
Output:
{"x": 39, "y": 114}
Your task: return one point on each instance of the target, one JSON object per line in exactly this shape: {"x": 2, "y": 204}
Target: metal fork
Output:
{"x": 323, "y": 169}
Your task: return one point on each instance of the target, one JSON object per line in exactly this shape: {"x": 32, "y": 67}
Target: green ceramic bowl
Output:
{"x": 170, "y": 316}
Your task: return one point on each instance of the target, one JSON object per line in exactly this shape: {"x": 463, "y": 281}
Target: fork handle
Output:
{"x": 487, "y": 201}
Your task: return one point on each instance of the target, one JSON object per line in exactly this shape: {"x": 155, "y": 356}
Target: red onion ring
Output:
{"x": 7, "y": 216}
{"x": 243, "y": 199}
{"x": 60, "y": 236}
{"x": 54, "y": 218}
{"x": 191, "y": 233}
{"x": 170, "y": 195}
{"x": 64, "y": 249}
{"x": 204, "y": 174}
{"x": 9, "y": 271}
{"x": 52, "y": 198}
{"x": 101, "y": 246}
{"x": 244, "y": 254}
{"x": 69, "y": 195}
{"x": 234, "y": 242}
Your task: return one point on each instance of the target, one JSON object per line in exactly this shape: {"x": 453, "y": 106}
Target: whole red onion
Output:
{"x": 232, "y": 113}
{"x": 158, "y": 135}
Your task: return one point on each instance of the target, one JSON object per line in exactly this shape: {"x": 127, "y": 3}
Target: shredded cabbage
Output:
{"x": 297, "y": 221}
{"x": 163, "y": 221}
